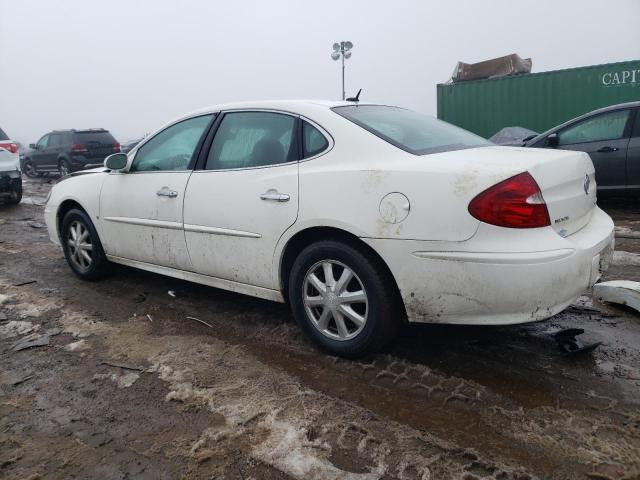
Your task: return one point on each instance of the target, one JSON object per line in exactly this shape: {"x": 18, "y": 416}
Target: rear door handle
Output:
{"x": 608, "y": 149}
{"x": 165, "y": 192}
{"x": 275, "y": 196}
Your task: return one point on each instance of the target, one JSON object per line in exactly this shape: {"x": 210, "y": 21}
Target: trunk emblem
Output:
{"x": 587, "y": 183}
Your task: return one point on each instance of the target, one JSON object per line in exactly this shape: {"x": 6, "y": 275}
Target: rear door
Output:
{"x": 39, "y": 156}
{"x": 56, "y": 142}
{"x": 244, "y": 198}
{"x": 605, "y": 137}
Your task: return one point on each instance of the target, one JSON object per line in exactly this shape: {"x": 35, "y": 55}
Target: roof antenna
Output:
{"x": 356, "y": 98}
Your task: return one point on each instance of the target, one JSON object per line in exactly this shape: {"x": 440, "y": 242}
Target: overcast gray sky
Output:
{"x": 132, "y": 65}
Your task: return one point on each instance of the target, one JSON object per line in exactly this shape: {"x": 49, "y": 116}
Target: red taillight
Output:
{"x": 12, "y": 147}
{"x": 514, "y": 203}
{"x": 79, "y": 148}
{"x": 116, "y": 147}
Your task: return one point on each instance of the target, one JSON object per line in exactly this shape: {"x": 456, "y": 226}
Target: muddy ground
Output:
{"x": 130, "y": 387}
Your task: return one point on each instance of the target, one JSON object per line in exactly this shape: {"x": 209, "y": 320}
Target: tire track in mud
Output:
{"x": 270, "y": 415}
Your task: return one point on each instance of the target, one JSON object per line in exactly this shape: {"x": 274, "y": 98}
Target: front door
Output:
{"x": 633, "y": 157}
{"x": 141, "y": 209}
{"x": 605, "y": 138}
{"x": 238, "y": 206}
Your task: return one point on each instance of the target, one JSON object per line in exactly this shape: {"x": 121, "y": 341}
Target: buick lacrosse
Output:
{"x": 360, "y": 216}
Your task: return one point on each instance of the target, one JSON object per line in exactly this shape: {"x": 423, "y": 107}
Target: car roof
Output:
{"x": 610, "y": 108}
{"x": 274, "y": 105}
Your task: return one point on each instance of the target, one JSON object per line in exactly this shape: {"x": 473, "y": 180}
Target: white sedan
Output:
{"x": 359, "y": 216}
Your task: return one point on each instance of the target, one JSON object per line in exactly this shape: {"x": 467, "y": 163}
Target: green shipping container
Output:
{"x": 537, "y": 101}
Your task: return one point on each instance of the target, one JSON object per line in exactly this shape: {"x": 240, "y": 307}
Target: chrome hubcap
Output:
{"x": 79, "y": 243}
{"x": 335, "y": 300}
{"x": 63, "y": 170}
{"x": 30, "y": 169}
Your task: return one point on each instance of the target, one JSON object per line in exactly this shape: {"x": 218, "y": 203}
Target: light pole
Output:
{"x": 342, "y": 50}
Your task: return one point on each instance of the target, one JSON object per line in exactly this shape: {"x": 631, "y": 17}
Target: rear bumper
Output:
{"x": 10, "y": 182}
{"x": 80, "y": 162}
{"x": 472, "y": 283}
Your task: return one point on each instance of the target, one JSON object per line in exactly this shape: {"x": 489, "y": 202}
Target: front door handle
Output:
{"x": 608, "y": 149}
{"x": 165, "y": 192}
{"x": 275, "y": 196}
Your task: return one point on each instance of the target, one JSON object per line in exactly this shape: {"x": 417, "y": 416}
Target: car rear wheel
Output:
{"x": 63, "y": 168}
{"x": 82, "y": 247}
{"x": 30, "y": 169}
{"x": 342, "y": 299}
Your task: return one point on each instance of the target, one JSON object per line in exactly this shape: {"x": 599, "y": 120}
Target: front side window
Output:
{"x": 253, "y": 139}
{"x": 43, "y": 142}
{"x": 608, "y": 126}
{"x": 54, "y": 140}
{"x": 410, "y": 131}
{"x": 313, "y": 142}
{"x": 172, "y": 148}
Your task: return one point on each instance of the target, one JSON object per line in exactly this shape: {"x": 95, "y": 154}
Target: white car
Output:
{"x": 10, "y": 173}
{"x": 360, "y": 216}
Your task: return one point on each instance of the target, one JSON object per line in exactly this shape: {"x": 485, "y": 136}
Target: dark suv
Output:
{"x": 65, "y": 151}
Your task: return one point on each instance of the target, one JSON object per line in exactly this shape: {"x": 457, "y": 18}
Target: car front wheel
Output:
{"x": 82, "y": 247}
{"x": 343, "y": 299}
{"x": 30, "y": 169}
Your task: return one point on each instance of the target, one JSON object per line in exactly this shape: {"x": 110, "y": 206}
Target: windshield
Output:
{"x": 411, "y": 131}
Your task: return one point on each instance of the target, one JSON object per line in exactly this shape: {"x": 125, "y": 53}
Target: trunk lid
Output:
{"x": 568, "y": 185}
{"x": 9, "y": 162}
{"x": 99, "y": 143}
{"x": 561, "y": 175}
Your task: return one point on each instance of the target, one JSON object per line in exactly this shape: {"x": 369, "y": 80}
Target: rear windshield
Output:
{"x": 411, "y": 131}
{"x": 3, "y": 136}
{"x": 103, "y": 137}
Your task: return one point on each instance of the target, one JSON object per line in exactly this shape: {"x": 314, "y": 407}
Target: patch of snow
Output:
{"x": 79, "y": 346}
{"x": 15, "y": 328}
{"x": 122, "y": 381}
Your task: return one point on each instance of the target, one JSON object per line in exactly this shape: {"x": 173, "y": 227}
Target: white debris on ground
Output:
{"x": 122, "y": 381}
{"x": 79, "y": 346}
{"x": 15, "y": 328}
{"x": 623, "y": 292}
{"x": 4, "y": 298}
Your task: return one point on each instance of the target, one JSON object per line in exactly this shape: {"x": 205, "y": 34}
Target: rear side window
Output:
{"x": 55, "y": 139}
{"x": 410, "y": 131}
{"x": 313, "y": 141}
{"x": 3, "y": 136}
{"x": 97, "y": 137}
{"x": 608, "y": 126}
{"x": 253, "y": 139}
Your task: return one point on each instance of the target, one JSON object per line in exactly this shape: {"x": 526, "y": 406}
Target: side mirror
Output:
{"x": 116, "y": 162}
{"x": 33, "y": 146}
{"x": 553, "y": 140}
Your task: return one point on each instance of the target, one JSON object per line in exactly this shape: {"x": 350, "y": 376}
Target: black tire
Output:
{"x": 99, "y": 266}
{"x": 18, "y": 195}
{"x": 383, "y": 314}
{"x": 64, "y": 168}
{"x": 30, "y": 169}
